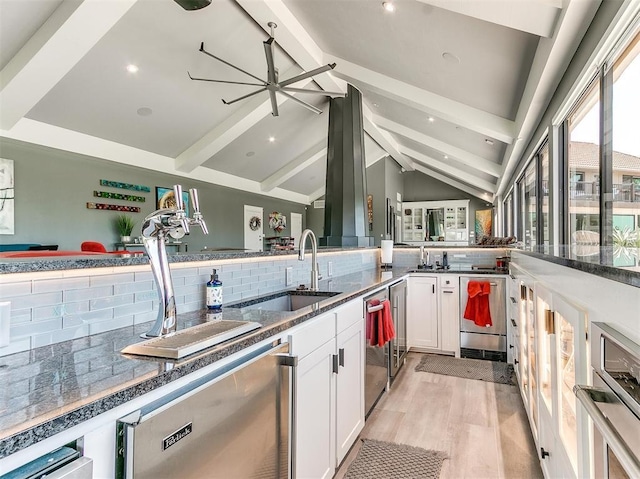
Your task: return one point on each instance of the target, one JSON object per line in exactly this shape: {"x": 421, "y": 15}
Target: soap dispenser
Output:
{"x": 214, "y": 292}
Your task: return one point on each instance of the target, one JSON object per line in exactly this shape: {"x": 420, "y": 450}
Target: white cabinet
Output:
{"x": 329, "y": 388}
{"x": 349, "y": 388}
{"x": 316, "y": 414}
{"x": 422, "y": 314}
{"x": 449, "y": 295}
{"x": 442, "y": 222}
{"x": 413, "y": 227}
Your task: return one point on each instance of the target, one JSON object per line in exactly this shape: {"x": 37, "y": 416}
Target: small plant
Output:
{"x": 625, "y": 237}
{"x": 124, "y": 225}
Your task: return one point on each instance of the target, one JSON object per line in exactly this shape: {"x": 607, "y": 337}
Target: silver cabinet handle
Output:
{"x": 341, "y": 357}
{"x": 588, "y": 398}
{"x": 334, "y": 357}
{"x": 448, "y": 292}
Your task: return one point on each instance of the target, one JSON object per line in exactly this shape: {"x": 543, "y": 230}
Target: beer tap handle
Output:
{"x": 177, "y": 191}
{"x": 197, "y": 216}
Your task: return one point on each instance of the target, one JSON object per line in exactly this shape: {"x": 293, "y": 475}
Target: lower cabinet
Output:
{"x": 422, "y": 313}
{"x": 449, "y": 296}
{"x": 329, "y": 389}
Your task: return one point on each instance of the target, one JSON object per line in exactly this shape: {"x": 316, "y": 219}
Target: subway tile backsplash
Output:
{"x": 48, "y": 310}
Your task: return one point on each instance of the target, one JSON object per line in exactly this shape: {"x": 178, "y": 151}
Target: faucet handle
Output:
{"x": 177, "y": 191}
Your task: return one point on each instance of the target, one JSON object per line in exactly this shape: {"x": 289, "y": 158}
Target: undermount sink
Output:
{"x": 285, "y": 300}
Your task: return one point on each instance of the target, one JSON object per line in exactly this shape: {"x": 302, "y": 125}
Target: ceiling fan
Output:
{"x": 272, "y": 84}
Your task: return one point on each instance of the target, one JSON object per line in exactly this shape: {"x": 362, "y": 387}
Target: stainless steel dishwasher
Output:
{"x": 234, "y": 422}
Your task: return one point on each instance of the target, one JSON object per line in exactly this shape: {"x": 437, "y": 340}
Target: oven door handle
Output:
{"x": 588, "y": 398}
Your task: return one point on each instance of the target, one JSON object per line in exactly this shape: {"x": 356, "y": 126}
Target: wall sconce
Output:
{"x": 386, "y": 253}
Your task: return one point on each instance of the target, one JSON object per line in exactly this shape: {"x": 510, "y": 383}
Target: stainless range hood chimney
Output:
{"x": 345, "y": 214}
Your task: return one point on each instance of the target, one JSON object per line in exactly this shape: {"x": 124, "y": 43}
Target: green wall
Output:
{"x": 52, "y": 188}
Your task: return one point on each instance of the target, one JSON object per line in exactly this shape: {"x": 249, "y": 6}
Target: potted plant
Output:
{"x": 124, "y": 227}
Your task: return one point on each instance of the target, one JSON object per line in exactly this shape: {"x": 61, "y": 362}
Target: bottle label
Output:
{"x": 214, "y": 296}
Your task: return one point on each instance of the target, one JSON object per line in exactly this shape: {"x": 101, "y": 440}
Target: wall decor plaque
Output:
{"x": 105, "y": 206}
{"x": 118, "y": 196}
{"x": 126, "y": 186}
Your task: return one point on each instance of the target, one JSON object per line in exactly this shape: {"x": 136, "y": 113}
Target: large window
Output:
{"x": 508, "y": 215}
{"x": 530, "y": 206}
{"x": 545, "y": 197}
{"x": 583, "y": 175}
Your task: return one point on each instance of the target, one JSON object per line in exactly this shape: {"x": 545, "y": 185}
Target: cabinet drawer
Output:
{"x": 312, "y": 335}
{"x": 349, "y": 314}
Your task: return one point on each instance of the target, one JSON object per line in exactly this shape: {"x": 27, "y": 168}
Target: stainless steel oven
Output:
{"x": 613, "y": 403}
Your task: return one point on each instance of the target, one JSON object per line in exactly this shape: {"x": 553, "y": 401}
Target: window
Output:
{"x": 508, "y": 215}
{"x": 545, "y": 197}
{"x": 583, "y": 170}
{"x": 530, "y": 206}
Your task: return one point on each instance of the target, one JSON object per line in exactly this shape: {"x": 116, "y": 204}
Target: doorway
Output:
{"x": 253, "y": 228}
{"x": 296, "y": 228}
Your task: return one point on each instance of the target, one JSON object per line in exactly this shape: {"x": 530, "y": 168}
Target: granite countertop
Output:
{"x": 52, "y": 388}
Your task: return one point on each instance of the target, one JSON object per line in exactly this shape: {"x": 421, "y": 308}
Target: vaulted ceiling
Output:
{"x": 452, "y": 88}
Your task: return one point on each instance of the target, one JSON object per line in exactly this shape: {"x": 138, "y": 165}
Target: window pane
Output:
{"x": 530, "y": 202}
{"x": 545, "y": 195}
{"x": 584, "y": 176}
{"x": 626, "y": 153}
{"x": 508, "y": 215}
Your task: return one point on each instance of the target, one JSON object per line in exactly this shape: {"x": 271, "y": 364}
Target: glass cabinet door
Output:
{"x": 571, "y": 345}
{"x": 546, "y": 346}
{"x": 524, "y": 344}
{"x": 533, "y": 360}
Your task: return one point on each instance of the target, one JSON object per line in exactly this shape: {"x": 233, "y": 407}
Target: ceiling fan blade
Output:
{"x": 319, "y": 92}
{"x": 225, "y": 81}
{"x": 303, "y": 103}
{"x": 229, "y": 64}
{"x": 243, "y": 97}
{"x": 271, "y": 68}
{"x": 302, "y": 76}
{"x": 274, "y": 103}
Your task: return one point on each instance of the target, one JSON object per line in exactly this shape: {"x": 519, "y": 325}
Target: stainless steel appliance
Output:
{"x": 613, "y": 404}
{"x": 485, "y": 342}
{"x": 63, "y": 463}
{"x": 376, "y": 375}
{"x": 234, "y": 422}
{"x": 398, "y": 345}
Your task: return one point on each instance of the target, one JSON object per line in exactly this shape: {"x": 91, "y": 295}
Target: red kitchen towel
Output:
{"x": 379, "y": 324}
{"x": 388, "y": 331}
{"x": 477, "y": 309}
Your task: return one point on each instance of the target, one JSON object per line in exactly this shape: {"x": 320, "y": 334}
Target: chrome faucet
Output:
{"x": 314, "y": 257}
{"x": 155, "y": 228}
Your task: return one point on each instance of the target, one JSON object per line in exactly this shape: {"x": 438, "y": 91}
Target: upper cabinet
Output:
{"x": 436, "y": 221}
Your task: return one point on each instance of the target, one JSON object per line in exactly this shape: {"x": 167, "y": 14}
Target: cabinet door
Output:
{"x": 422, "y": 321}
{"x": 349, "y": 388}
{"x": 315, "y": 453}
{"x": 450, "y": 314}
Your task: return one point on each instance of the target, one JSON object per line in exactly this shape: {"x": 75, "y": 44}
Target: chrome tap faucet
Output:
{"x": 314, "y": 256}
{"x": 155, "y": 228}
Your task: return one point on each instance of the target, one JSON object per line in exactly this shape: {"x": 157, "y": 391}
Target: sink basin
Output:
{"x": 285, "y": 300}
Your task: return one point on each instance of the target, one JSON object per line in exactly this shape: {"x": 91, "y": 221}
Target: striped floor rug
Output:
{"x": 480, "y": 369}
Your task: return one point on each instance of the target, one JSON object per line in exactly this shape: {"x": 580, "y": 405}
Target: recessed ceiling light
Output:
{"x": 272, "y": 139}
{"x": 488, "y": 141}
{"x": 431, "y": 119}
{"x": 144, "y": 111}
{"x": 251, "y": 153}
{"x": 389, "y": 7}
{"x": 132, "y": 68}
{"x": 376, "y": 105}
{"x": 446, "y": 157}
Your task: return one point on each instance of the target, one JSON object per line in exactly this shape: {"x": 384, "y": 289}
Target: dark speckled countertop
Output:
{"x": 49, "y": 389}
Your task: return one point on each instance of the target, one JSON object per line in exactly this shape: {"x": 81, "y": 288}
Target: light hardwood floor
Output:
{"x": 482, "y": 426}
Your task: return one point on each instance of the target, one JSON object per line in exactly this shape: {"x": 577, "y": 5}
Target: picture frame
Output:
{"x": 165, "y": 198}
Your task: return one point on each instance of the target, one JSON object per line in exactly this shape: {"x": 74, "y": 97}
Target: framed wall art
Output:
{"x": 165, "y": 198}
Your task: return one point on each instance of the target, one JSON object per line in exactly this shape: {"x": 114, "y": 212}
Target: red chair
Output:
{"x": 93, "y": 246}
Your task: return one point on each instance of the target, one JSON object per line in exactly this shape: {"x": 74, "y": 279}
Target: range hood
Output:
{"x": 345, "y": 213}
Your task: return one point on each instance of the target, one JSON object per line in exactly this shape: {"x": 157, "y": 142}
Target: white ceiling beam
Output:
{"x": 62, "y": 41}
{"x": 384, "y": 139}
{"x": 374, "y": 159}
{"x": 532, "y": 16}
{"x": 249, "y": 113}
{"x": 469, "y": 159}
{"x": 456, "y": 184}
{"x": 316, "y": 194}
{"x": 549, "y": 65}
{"x": 474, "y": 119}
{"x": 291, "y": 169}
{"x": 447, "y": 169}
{"x": 39, "y": 133}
